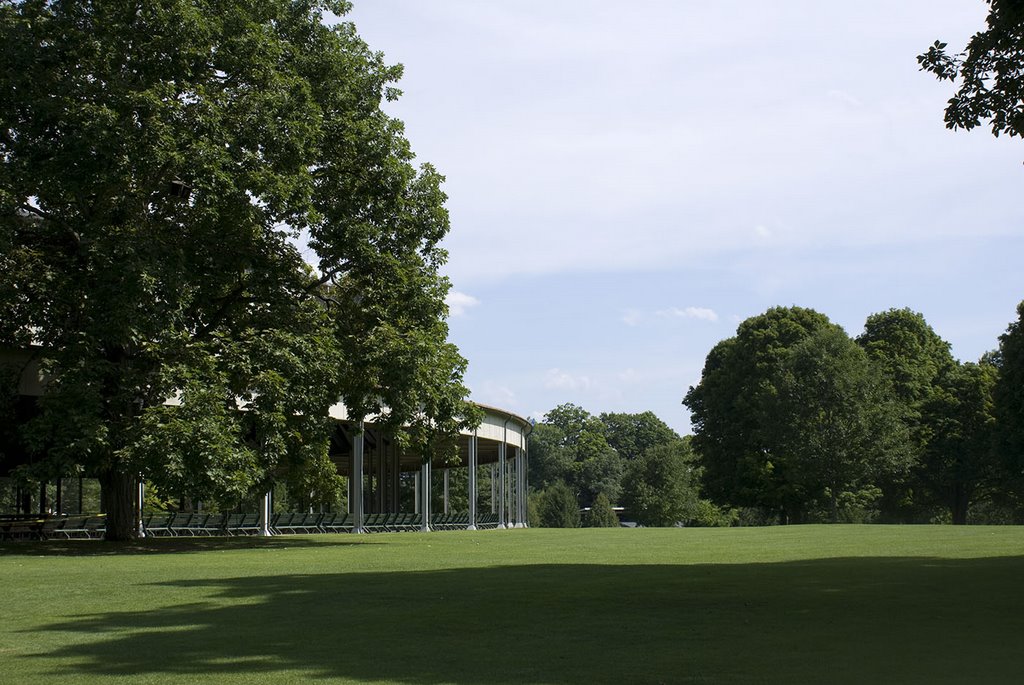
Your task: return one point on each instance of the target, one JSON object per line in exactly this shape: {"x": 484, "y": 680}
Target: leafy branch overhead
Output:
{"x": 989, "y": 73}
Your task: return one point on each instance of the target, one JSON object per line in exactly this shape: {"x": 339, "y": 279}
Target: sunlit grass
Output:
{"x": 815, "y": 604}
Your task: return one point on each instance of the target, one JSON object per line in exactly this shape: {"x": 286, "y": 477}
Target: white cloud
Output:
{"x": 702, "y": 313}
{"x": 621, "y": 168}
{"x": 635, "y": 317}
{"x": 556, "y": 379}
{"x": 496, "y": 395}
{"x": 629, "y": 376}
{"x": 632, "y": 317}
{"x": 458, "y": 303}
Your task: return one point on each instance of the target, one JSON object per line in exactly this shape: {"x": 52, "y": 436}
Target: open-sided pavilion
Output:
{"x": 376, "y": 467}
{"x": 500, "y": 440}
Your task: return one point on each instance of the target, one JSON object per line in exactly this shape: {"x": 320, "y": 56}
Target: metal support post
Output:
{"x": 358, "y": 444}
{"x": 141, "y": 498}
{"x": 501, "y": 485}
{"x": 265, "y": 515}
{"x": 447, "y": 488}
{"x": 472, "y": 482}
{"x": 425, "y": 498}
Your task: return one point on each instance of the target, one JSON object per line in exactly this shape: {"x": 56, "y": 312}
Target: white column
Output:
{"x": 265, "y": 515}
{"x": 513, "y": 494}
{"x": 141, "y": 499}
{"x": 447, "y": 488}
{"x": 357, "y": 479}
{"x": 512, "y": 490}
{"x": 501, "y": 484}
{"x": 396, "y": 478}
{"x": 416, "y": 494}
{"x": 472, "y": 482}
{"x": 521, "y": 461}
{"x": 381, "y": 473}
{"x": 494, "y": 485}
{"x": 425, "y": 497}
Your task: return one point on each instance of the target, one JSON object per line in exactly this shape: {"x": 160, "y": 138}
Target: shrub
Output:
{"x": 601, "y": 514}
{"x": 558, "y": 507}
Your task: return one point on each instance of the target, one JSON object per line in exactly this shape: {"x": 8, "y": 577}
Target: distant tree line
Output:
{"x": 795, "y": 421}
{"x": 581, "y": 461}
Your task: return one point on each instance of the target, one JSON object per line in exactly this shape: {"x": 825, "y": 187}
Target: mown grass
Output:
{"x": 801, "y": 604}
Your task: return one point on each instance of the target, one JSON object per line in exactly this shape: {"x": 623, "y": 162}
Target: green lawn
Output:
{"x": 811, "y": 604}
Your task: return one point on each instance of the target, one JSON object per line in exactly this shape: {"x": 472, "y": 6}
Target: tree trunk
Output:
{"x": 118, "y": 495}
{"x": 960, "y": 504}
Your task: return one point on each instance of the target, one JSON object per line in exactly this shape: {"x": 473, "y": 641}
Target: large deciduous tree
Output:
{"x": 550, "y": 462}
{"x": 840, "y": 428}
{"x": 633, "y": 434}
{"x": 736, "y": 433}
{"x": 958, "y": 467}
{"x": 914, "y": 358}
{"x": 571, "y": 447}
{"x": 158, "y": 161}
{"x": 989, "y": 73}
{"x": 909, "y": 351}
{"x": 1008, "y": 402}
{"x": 661, "y": 486}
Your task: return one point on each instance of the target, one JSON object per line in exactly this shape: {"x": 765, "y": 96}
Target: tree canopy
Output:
{"x": 570, "y": 447}
{"x": 914, "y": 358}
{"x": 633, "y": 434}
{"x": 958, "y": 463}
{"x": 795, "y": 421}
{"x": 660, "y": 487}
{"x": 736, "y": 432}
{"x": 908, "y": 350}
{"x": 159, "y": 163}
{"x": 1008, "y": 402}
{"x": 840, "y": 427}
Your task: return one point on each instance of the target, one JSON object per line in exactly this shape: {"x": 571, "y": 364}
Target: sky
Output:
{"x": 629, "y": 181}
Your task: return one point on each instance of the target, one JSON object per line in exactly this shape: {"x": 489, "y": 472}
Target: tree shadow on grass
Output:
{"x": 172, "y": 545}
{"x": 854, "y": 620}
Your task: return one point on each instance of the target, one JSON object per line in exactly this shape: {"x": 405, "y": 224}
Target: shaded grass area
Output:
{"x": 167, "y": 545}
{"x": 803, "y": 604}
